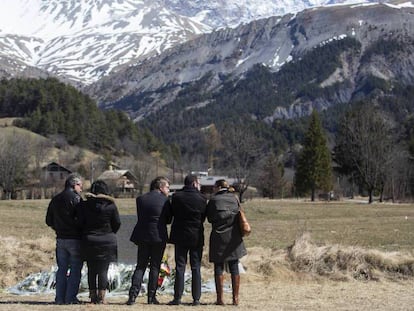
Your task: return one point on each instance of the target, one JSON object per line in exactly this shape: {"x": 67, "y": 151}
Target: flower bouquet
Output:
{"x": 165, "y": 270}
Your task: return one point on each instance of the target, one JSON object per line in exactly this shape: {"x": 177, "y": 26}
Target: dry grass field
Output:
{"x": 301, "y": 256}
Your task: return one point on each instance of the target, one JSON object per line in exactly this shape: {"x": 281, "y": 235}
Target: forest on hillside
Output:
{"x": 53, "y": 109}
{"x": 209, "y": 125}
{"x": 230, "y": 132}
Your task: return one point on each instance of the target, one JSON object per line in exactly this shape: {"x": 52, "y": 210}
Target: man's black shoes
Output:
{"x": 174, "y": 302}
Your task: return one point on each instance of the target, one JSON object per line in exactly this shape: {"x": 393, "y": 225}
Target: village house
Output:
{"x": 54, "y": 174}
{"x": 121, "y": 182}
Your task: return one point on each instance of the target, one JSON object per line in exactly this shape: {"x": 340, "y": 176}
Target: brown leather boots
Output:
{"x": 101, "y": 296}
{"x": 219, "y": 279}
{"x": 235, "y": 284}
{"x": 97, "y": 296}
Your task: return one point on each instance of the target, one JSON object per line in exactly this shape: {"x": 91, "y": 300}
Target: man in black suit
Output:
{"x": 188, "y": 208}
{"x": 150, "y": 234}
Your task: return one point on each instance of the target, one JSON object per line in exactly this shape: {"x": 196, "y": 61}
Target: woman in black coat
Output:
{"x": 226, "y": 243}
{"x": 100, "y": 221}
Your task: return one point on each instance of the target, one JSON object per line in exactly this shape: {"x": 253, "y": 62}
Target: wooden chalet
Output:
{"x": 120, "y": 181}
{"x": 54, "y": 174}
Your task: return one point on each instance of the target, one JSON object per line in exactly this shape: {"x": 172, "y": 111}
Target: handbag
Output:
{"x": 244, "y": 224}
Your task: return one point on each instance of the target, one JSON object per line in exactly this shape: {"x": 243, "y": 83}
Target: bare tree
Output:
{"x": 15, "y": 150}
{"x": 174, "y": 161}
{"x": 40, "y": 152}
{"x": 364, "y": 147}
{"x": 141, "y": 171}
{"x": 212, "y": 141}
{"x": 400, "y": 171}
{"x": 271, "y": 180}
{"x": 242, "y": 149}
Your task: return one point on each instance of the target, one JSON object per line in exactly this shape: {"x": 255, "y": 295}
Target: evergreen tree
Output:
{"x": 314, "y": 169}
{"x": 52, "y": 108}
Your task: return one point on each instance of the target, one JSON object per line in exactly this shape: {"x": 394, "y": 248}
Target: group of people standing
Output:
{"x": 85, "y": 230}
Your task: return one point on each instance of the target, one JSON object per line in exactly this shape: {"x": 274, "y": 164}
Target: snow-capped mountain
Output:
{"x": 231, "y": 13}
{"x": 84, "y": 40}
{"x": 214, "y": 59}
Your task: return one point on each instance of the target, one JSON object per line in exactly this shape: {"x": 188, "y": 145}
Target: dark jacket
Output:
{"x": 100, "y": 222}
{"x": 226, "y": 242}
{"x": 62, "y": 216}
{"x": 153, "y": 211}
{"x": 188, "y": 208}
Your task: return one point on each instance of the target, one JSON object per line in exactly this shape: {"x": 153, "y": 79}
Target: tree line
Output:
{"x": 54, "y": 109}
{"x": 369, "y": 153}
{"x": 241, "y": 105}
{"x": 65, "y": 116}
{"x": 230, "y": 135}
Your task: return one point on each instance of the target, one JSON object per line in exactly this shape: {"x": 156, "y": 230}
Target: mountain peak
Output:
{"x": 85, "y": 40}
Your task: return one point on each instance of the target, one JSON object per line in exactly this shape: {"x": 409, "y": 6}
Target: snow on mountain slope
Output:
{"x": 203, "y": 70}
{"x": 230, "y": 13}
{"x": 85, "y": 40}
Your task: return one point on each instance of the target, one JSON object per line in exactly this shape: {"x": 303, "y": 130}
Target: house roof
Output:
{"x": 55, "y": 167}
{"x": 116, "y": 174}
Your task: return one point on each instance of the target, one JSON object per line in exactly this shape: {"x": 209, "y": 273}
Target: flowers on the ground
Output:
{"x": 165, "y": 270}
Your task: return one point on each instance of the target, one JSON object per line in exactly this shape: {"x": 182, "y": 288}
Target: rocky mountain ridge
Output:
{"x": 145, "y": 88}
{"x": 83, "y": 41}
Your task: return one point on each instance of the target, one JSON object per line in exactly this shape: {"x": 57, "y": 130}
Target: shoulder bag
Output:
{"x": 244, "y": 224}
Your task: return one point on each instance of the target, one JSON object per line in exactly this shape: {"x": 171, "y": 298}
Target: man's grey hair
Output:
{"x": 72, "y": 180}
{"x": 158, "y": 182}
